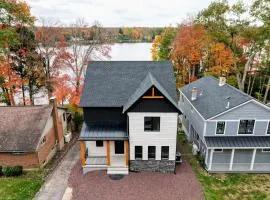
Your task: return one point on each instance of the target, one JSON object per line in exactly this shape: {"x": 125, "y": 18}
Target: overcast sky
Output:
{"x": 111, "y": 13}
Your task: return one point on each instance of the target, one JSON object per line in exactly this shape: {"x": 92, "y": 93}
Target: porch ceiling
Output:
{"x": 238, "y": 142}
{"x": 103, "y": 132}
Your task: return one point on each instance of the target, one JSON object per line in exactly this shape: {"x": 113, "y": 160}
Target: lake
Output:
{"x": 119, "y": 51}
{"x": 131, "y": 51}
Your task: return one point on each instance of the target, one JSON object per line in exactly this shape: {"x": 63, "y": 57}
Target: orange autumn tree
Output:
{"x": 188, "y": 51}
{"x": 62, "y": 90}
{"x": 9, "y": 82}
{"x": 221, "y": 60}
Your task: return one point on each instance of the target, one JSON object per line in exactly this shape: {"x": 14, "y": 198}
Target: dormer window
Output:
{"x": 246, "y": 127}
{"x": 220, "y": 128}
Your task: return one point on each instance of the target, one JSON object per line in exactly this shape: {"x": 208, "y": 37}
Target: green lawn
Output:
{"x": 22, "y": 187}
{"x": 227, "y": 186}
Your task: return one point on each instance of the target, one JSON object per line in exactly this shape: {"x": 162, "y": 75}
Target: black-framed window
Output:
{"x": 138, "y": 152}
{"x": 220, "y": 128}
{"x": 151, "y": 152}
{"x": 165, "y": 152}
{"x": 151, "y": 123}
{"x": 246, "y": 126}
{"x": 268, "y": 129}
{"x": 99, "y": 143}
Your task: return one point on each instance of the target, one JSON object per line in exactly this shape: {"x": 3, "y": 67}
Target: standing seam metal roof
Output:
{"x": 239, "y": 141}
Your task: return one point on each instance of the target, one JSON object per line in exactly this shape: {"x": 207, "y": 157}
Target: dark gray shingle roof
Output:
{"x": 239, "y": 141}
{"x": 212, "y": 98}
{"x": 112, "y": 83}
{"x": 103, "y": 132}
{"x": 145, "y": 85}
{"x": 21, "y": 127}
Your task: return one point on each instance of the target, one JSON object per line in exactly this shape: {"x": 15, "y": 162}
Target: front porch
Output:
{"x": 104, "y": 148}
{"x": 112, "y": 162}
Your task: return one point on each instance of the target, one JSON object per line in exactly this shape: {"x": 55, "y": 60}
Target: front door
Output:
{"x": 119, "y": 147}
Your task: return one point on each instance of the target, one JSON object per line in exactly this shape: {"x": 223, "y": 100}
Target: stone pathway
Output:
{"x": 55, "y": 186}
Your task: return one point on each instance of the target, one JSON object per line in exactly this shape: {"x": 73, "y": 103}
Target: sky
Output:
{"x": 115, "y": 13}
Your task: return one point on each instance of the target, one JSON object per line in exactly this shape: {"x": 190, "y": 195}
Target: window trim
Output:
{"x": 149, "y": 131}
{"x": 168, "y": 153}
{"x": 218, "y": 150}
{"x": 246, "y": 133}
{"x": 98, "y": 146}
{"x": 154, "y": 154}
{"x": 135, "y": 152}
{"x": 266, "y": 150}
{"x": 225, "y": 126}
{"x": 267, "y": 128}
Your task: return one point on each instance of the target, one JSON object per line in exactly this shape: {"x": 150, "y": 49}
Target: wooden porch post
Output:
{"x": 82, "y": 145}
{"x": 108, "y": 153}
{"x": 127, "y": 152}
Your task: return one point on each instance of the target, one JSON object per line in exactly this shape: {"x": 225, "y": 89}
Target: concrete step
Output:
{"x": 93, "y": 168}
{"x": 117, "y": 170}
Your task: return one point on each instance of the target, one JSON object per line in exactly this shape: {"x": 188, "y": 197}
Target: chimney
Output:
{"x": 57, "y": 124}
{"x": 194, "y": 94}
{"x": 222, "y": 81}
{"x": 228, "y": 102}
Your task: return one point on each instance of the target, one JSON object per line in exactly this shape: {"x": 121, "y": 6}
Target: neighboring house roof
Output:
{"x": 212, "y": 98}
{"x": 119, "y": 83}
{"x": 239, "y": 141}
{"x": 21, "y": 127}
{"x": 103, "y": 132}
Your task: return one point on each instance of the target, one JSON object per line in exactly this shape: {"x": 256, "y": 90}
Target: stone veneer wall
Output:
{"x": 152, "y": 165}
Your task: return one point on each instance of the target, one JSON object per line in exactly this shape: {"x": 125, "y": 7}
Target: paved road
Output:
{"x": 54, "y": 188}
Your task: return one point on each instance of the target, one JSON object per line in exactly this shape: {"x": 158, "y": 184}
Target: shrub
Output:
{"x": 200, "y": 158}
{"x": 1, "y": 173}
{"x": 78, "y": 120}
{"x": 12, "y": 171}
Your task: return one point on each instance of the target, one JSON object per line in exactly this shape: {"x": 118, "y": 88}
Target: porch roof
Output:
{"x": 238, "y": 142}
{"x": 103, "y": 132}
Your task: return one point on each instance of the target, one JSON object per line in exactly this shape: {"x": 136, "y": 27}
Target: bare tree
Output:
{"x": 82, "y": 51}
{"x": 48, "y": 36}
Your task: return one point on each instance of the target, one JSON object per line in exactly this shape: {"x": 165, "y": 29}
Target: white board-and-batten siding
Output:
{"x": 165, "y": 137}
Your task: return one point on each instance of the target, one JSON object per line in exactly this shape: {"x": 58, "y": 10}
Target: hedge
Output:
{"x": 12, "y": 171}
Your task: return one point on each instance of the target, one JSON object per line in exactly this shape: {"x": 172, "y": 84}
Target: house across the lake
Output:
{"x": 131, "y": 113}
{"x": 31, "y": 135}
{"x": 229, "y": 128}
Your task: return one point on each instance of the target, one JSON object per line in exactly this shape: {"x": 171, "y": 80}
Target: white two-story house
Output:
{"x": 230, "y": 128}
{"x": 130, "y": 117}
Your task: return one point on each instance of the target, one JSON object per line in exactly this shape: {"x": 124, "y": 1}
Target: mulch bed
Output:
{"x": 144, "y": 185}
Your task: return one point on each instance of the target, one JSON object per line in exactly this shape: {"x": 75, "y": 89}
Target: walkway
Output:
{"x": 54, "y": 188}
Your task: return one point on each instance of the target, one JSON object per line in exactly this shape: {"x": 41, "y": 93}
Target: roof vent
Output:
{"x": 228, "y": 102}
{"x": 222, "y": 81}
{"x": 194, "y": 94}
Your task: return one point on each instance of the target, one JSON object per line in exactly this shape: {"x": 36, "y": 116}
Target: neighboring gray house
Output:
{"x": 130, "y": 117}
{"x": 230, "y": 128}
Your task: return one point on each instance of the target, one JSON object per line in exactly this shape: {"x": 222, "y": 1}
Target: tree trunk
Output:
{"x": 266, "y": 91}
{"x": 23, "y": 93}
{"x": 246, "y": 68}
{"x": 252, "y": 85}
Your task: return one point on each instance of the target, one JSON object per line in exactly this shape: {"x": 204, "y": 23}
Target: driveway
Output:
{"x": 54, "y": 188}
{"x": 145, "y": 185}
